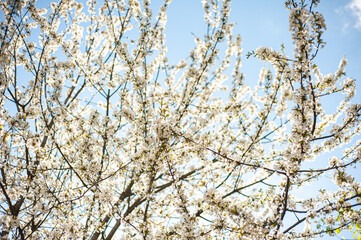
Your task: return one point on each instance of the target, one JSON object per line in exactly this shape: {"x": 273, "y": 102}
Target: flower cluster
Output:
{"x": 101, "y": 136}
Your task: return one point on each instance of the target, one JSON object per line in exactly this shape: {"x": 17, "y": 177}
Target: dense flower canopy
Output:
{"x": 102, "y": 137}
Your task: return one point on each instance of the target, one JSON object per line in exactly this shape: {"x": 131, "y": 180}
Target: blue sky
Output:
{"x": 265, "y": 23}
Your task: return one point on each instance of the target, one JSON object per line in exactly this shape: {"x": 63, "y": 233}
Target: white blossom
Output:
{"x": 102, "y": 135}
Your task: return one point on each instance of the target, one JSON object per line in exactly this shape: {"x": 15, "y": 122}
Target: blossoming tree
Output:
{"x": 102, "y": 137}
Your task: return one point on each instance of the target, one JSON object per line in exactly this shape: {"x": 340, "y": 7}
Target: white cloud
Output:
{"x": 355, "y": 7}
